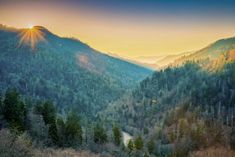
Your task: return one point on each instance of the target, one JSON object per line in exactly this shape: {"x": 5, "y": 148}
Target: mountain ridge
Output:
{"x": 64, "y": 70}
{"x": 210, "y": 55}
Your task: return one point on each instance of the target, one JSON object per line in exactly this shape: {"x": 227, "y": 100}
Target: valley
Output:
{"x": 60, "y": 96}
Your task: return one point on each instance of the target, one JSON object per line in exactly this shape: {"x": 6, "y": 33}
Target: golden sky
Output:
{"x": 127, "y": 35}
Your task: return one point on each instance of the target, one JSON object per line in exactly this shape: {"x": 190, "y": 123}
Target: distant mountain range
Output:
{"x": 43, "y": 65}
{"x": 204, "y": 81}
{"x": 212, "y": 57}
{"x": 152, "y": 62}
{"x": 200, "y": 78}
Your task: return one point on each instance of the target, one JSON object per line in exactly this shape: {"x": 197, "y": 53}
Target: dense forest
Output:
{"x": 182, "y": 109}
{"x": 65, "y": 71}
{"x": 62, "y": 98}
{"x": 197, "y": 115}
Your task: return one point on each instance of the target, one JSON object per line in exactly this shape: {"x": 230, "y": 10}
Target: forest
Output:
{"x": 181, "y": 109}
{"x": 175, "y": 112}
{"x": 64, "y": 98}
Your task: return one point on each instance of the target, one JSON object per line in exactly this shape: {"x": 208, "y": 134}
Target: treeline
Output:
{"x": 42, "y": 127}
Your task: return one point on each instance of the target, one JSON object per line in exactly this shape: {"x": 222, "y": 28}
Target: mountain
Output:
{"x": 156, "y": 62}
{"x": 166, "y": 60}
{"x": 180, "y": 107}
{"x": 186, "y": 80}
{"x": 185, "y": 107}
{"x": 135, "y": 61}
{"x": 212, "y": 57}
{"x": 43, "y": 66}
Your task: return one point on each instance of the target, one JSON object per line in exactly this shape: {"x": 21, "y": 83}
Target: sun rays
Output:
{"x": 31, "y": 36}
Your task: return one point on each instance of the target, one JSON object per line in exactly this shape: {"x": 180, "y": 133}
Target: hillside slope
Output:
{"x": 44, "y": 66}
{"x": 212, "y": 57}
{"x": 178, "y": 108}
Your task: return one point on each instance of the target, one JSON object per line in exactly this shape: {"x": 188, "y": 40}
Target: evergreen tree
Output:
{"x": 73, "y": 130}
{"x": 53, "y": 132}
{"x": 139, "y": 143}
{"x": 117, "y": 135}
{"x": 150, "y": 146}
{"x": 100, "y": 135}
{"x": 14, "y": 110}
{"x": 61, "y": 131}
{"x": 47, "y": 110}
{"x": 130, "y": 145}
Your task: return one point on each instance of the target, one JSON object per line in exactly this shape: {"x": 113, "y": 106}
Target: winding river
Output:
{"x": 126, "y": 137}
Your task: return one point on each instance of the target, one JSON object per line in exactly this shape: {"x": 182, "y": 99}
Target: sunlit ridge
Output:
{"x": 31, "y": 36}
{"x": 30, "y": 26}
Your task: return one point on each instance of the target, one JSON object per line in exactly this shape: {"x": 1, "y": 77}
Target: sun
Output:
{"x": 31, "y": 36}
{"x": 30, "y": 26}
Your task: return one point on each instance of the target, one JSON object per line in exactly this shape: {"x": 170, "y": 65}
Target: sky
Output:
{"x": 128, "y": 28}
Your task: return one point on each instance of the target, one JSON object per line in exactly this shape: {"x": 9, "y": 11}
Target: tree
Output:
{"x": 139, "y": 143}
{"x": 47, "y": 110}
{"x": 130, "y": 145}
{"x": 73, "y": 130}
{"x": 150, "y": 146}
{"x": 61, "y": 131}
{"x": 14, "y": 146}
{"x": 53, "y": 132}
{"x": 117, "y": 135}
{"x": 146, "y": 131}
{"x": 100, "y": 135}
{"x": 14, "y": 110}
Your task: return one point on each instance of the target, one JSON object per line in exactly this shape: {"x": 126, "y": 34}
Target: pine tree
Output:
{"x": 130, "y": 145}
{"x": 73, "y": 130}
{"x": 14, "y": 111}
{"x": 150, "y": 146}
{"x": 139, "y": 143}
{"x": 53, "y": 132}
{"x": 47, "y": 110}
{"x": 117, "y": 135}
{"x": 100, "y": 135}
{"x": 61, "y": 131}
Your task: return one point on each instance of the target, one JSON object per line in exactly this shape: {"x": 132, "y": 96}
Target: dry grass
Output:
{"x": 214, "y": 152}
{"x": 63, "y": 153}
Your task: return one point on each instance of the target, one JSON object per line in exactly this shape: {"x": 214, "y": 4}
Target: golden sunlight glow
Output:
{"x": 125, "y": 36}
{"x": 30, "y": 26}
{"x": 31, "y": 37}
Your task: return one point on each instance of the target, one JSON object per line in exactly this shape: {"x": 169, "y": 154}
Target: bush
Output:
{"x": 12, "y": 145}
{"x": 214, "y": 152}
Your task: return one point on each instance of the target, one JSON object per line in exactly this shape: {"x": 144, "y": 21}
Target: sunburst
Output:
{"x": 31, "y": 36}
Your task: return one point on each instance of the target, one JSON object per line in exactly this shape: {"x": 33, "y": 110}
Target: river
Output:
{"x": 126, "y": 137}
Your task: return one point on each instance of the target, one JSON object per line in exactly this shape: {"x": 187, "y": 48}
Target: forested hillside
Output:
{"x": 212, "y": 57}
{"x": 178, "y": 108}
{"x": 58, "y": 97}
{"x": 37, "y": 129}
{"x": 41, "y": 65}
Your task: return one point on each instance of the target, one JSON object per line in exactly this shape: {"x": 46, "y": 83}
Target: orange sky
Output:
{"x": 124, "y": 35}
